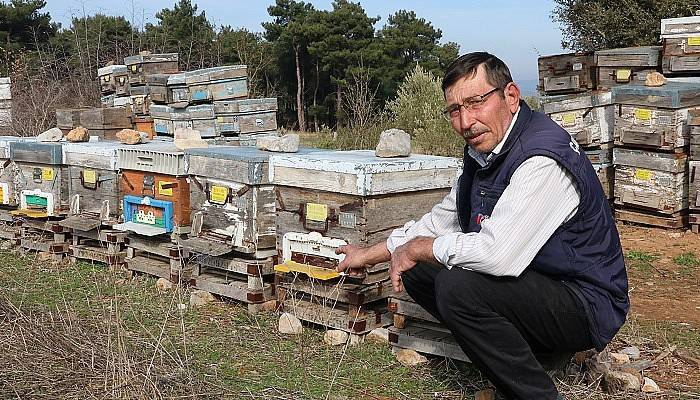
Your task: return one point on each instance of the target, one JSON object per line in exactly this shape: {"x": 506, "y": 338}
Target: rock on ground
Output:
{"x": 281, "y": 144}
{"x": 619, "y": 358}
{"x": 199, "y": 298}
{"x": 616, "y": 381}
{"x": 52, "y": 135}
{"x": 163, "y": 285}
{"x": 486, "y": 394}
{"x": 632, "y": 351}
{"x": 289, "y": 324}
{"x": 410, "y": 358}
{"x": 130, "y": 136}
{"x": 378, "y": 336}
{"x": 393, "y": 143}
{"x": 650, "y": 386}
{"x": 78, "y": 134}
{"x": 335, "y": 337}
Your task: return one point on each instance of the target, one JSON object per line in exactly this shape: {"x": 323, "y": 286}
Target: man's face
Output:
{"x": 483, "y": 125}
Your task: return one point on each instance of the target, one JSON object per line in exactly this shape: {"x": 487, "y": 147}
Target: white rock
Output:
{"x": 378, "y": 336}
{"x": 199, "y": 298}
{"x": 281, "y": 144}
{"x": 650, "y": 386}
{"x": 619, "y": 358}
{"x": 632, "y": 351}
{"x": 393, "y": 143}
{"x": 410, "y": 358}
{"x": 335, "y": 337}
{"x": 289, "y": 324}
{"x": 163, "y": 285}
{"x": 618, "y": 380}
{"x": 188, "y": 138}
{"x": 52, "y": 135}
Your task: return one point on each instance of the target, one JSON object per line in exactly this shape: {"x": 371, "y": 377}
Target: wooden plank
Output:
{"x": 334, "y": 317}
{"x": 423, "y": 339}
{"x": 680, "y": 27}
{"x": 150, "y": 266}
{"x": 672, "y": 95}
{"x": 233, "y": 289}
{"x": 343, "y": 290}
{"x": 566, "y": 73}
{"x": 676, "y": 221}
{"x": 651, "y": 127}
{"x": 411, "y": 309}
{"x": 660, "y": 191}
{"x": 98, "y": 254}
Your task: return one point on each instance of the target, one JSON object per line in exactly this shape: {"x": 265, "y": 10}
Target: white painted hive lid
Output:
{"x": 360, "y": 172}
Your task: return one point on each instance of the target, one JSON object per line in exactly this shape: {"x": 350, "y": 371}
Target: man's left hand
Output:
{"x": 407, "y": 255}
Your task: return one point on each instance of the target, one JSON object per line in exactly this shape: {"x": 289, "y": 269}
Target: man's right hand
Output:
{"x": 357, "y": 258}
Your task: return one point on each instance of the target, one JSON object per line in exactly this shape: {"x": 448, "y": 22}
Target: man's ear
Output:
{"x": 512, "y": 93}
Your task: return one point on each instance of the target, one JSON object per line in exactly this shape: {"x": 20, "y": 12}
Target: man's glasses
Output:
{"x": 469, "y": 104}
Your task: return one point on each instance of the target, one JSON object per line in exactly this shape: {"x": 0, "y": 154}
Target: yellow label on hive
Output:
{"x": 623, "y": 75}
{"x": 642, "y": 114}
{"x": 316, "y": 212}
{"x": 2, "y": 195}
{"x": 47, "y": 174}
{"x": 219, "y": 119}
{"x": 568, "y": 118}
{"x": 134, "y": 68}
{"x": 218, "y": 194}
{"x": 642, "y": 174}
{"x": 164, "y": 191}
{"x": 694, "y": 41}
{"x": 89, "y": 176}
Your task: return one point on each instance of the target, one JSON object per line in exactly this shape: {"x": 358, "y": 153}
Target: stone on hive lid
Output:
{"x": 393, "y": 143}
{"x": 78, "y": 134}
{"x": 655, "y": 79}
{"x": 130, "y": 136}
{"x": 52, "y": 135}
{"x": 288, "y": 143}
{"x": 188, "y": 138}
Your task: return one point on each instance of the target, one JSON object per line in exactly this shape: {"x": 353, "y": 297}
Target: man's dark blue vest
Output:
{"x": 585, "y": 251}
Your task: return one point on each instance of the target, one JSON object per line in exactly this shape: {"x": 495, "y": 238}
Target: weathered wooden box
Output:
{"x": 202, "y": 119}
{"x": 112, "y": 76}
{"x": 155, "y": 189}
{"x": 5, "y": 88}
{"x": 694, "y": 185}
{"x": 355, "y": 196}
{"x": 232, "y": 200}
{"x": 41, "y": 180}
{"x": 144, "y": 64}
{"x": 68, "y": 118}
{"x": 566, "y": 73}
{"x": 248, "y": 116}
{"x": 694, "y": 122}
{"x": 589, "y": 118}
{"x": 105, "y": 122}
{"x": 654, "y": 117}
{"x": 167, "y": 119}
{"x": 140, "y": 97}
{"x": 158, "y": 87}
{"x": 94, "y": 184}
{"x": 681, "y": 45}
{"x": 177, "y": 91}
{"x": 113, "y": 100}
{"x": 217, "y": 83}
{"x": 9, "y": 197}
{"x": 653, "y": 181}
{"x": 629, "y": 65}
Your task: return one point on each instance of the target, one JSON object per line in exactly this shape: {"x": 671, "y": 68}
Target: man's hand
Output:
{"x": 357, "y": 258}
{"x": 407, "y": 255}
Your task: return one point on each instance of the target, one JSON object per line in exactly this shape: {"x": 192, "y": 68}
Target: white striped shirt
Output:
{"x": 541, "y": 196}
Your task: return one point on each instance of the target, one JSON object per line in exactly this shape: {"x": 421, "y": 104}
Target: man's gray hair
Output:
{"x": 497, "y": 73}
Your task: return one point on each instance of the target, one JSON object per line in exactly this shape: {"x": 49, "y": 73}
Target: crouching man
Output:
{"x": 522, "y": 260}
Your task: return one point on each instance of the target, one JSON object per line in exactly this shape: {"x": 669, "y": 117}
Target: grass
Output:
{"x": 99, "y": 323}
{"x": 642, "y": 261}
{"x": 688, "y": 262}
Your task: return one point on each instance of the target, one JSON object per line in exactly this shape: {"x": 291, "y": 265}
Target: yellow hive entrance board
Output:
{"x": 323, "y": 274}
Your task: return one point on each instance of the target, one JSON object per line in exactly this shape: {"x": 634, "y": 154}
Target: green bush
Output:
{"x": 417, "y": 110}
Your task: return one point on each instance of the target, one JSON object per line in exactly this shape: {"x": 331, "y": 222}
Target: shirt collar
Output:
{"x": 483, "y": 159}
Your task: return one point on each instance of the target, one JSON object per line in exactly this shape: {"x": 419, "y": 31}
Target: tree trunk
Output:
{"x": 338, "y": 105}
{"x": 315, "y": 95}
{"x": 300, "y": 93}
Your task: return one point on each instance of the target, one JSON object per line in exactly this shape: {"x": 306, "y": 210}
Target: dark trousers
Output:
{"x": 501, "y": 323}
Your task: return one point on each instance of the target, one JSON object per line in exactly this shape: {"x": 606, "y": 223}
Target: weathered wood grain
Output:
{"x": 566, "y": 73}
{"x": 652, "y": 127}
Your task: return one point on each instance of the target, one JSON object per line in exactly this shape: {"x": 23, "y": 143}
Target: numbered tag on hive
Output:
{"x": 316, "y": 212}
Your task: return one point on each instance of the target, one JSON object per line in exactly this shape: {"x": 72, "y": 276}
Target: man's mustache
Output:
{"x": 473, "y": 133}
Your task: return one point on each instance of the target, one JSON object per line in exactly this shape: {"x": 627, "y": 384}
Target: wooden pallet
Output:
{"x": 670, "y": 221}
{"x": 10, "y": 231}
{"x": 175, "y": 266}
{"x": 106, "y": 247}
{"x": 343, "y": 289}
{"x": 44, "y": 236}
{"x": 250, "y": 290}
{"x": 334, "y": 314}
{"x": 428, "y": 338}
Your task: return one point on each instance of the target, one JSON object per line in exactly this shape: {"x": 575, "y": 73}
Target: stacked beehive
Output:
{"x": 5, "y": 106}
{"x": 328, "y": 198}
{"x": 9, "y": 197}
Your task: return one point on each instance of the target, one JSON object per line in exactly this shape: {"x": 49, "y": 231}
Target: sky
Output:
{"x": 516, "y": 31}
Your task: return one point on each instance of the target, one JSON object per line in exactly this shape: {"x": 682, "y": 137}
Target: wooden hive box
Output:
{"x": 218, "y": 83}
{"x": 694, "y": 122}
{"x": 158, "y": 87}
{"x": 94, "y": 184}
{"x": 41, "y": 181}
{"x": 143, "y": 64}
{"x": 681, "y": 45}
{"x": 656, "y": 182}
{"x": 654, "y": 117}
{"x": 9, "y": 197}
{"x": 694, "y": 186}
{"x": 108, "y": 78}
{"x": 162, "y": 123}
{"x": 250, "y": 116}
{"x": 566, "y": 73}
{"x": 140, "y": 99}
{"x": 329, "y": 198}
{"x": 202, "y": 119}
{"x": 155, "y": 189}
{"x": 629, "y": 65}
{"x": 68, "y": 118}
{"x": 5, "y": 88}
{"x": 105, "y": 122}
{"x": 233, "y": 201}
{"x": 113, "y": 100}
{"x": 177, "y": 91}
{"x": 589, "y": 118}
